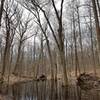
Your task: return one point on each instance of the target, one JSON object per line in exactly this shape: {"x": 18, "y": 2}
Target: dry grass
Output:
{"x": 71, "y": 76}
{"x": 15, "y": 79}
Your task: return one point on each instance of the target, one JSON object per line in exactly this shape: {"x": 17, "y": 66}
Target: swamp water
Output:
{"x": 47, "y": 90}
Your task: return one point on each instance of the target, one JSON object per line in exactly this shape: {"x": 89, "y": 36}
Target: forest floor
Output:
{"x": 17, "y": 79}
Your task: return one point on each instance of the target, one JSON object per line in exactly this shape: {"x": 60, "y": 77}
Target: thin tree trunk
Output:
{"x": 34, "y": 58}
{"x": 51, "y": 61}
{"x": 98, "y": 5}
{"x": 48, "y": 47}
{"x": 77, "y": 69}
{"x": 42, "y": 55}
{"x": 66, "y": 54}
{"x": 1, "y": 10}
{"x": 7, "y": 48}
{"x": 18, "y": 60}
{"x": 80, "y": 39}
{"x": 97, "y": 25}
{"x": 92, "y": 48}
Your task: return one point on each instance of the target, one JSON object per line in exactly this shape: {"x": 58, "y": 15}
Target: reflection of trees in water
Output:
{"x": 51, "y": 90}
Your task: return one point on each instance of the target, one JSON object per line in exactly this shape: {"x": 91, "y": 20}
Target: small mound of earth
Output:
{"x": 88, "y": 81}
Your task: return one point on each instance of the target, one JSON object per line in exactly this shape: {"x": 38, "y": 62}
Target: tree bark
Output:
{"x": 6, "y": 57}
{"x": 17, "y": 64}
{"x": 77, "y": 69}
{"x": 1, "y": 10}
{"x": 80, "y": 39}
{"x": 97, "y": 25}
{"x": 92, "y": 47}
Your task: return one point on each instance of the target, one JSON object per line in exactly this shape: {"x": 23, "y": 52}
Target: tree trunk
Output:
{"x": 62, "y": 53}
{"x": 1, "y": 10}
{"x": 51, "y": 61}
{"x": 48, "y": 47}
{"x": 6, "y": 57}
{"x": 17, "y": 64}
{"x": 80, "y": 39}
{"x": 97, "y": 24}
{"x": 92, "y": 48}
{"x": 77, "y": 69}
{"x": 98, "y": 5}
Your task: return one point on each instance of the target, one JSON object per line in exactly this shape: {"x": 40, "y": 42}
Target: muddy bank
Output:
{"x": 88, "y": 81}
{"x": 15, "y": 79}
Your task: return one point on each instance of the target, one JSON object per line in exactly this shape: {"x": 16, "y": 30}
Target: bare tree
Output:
{"x": 60, "y": 40}
{"x": 80, "y": 38}
{"x": 23, "y": 27}
{"x": 9, "y": 36}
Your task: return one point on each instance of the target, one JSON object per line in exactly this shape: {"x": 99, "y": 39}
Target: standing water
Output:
{"x": 48, "y": 90}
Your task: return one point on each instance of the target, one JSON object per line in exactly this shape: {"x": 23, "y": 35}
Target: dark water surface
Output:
{"x": 48, "y": 90}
